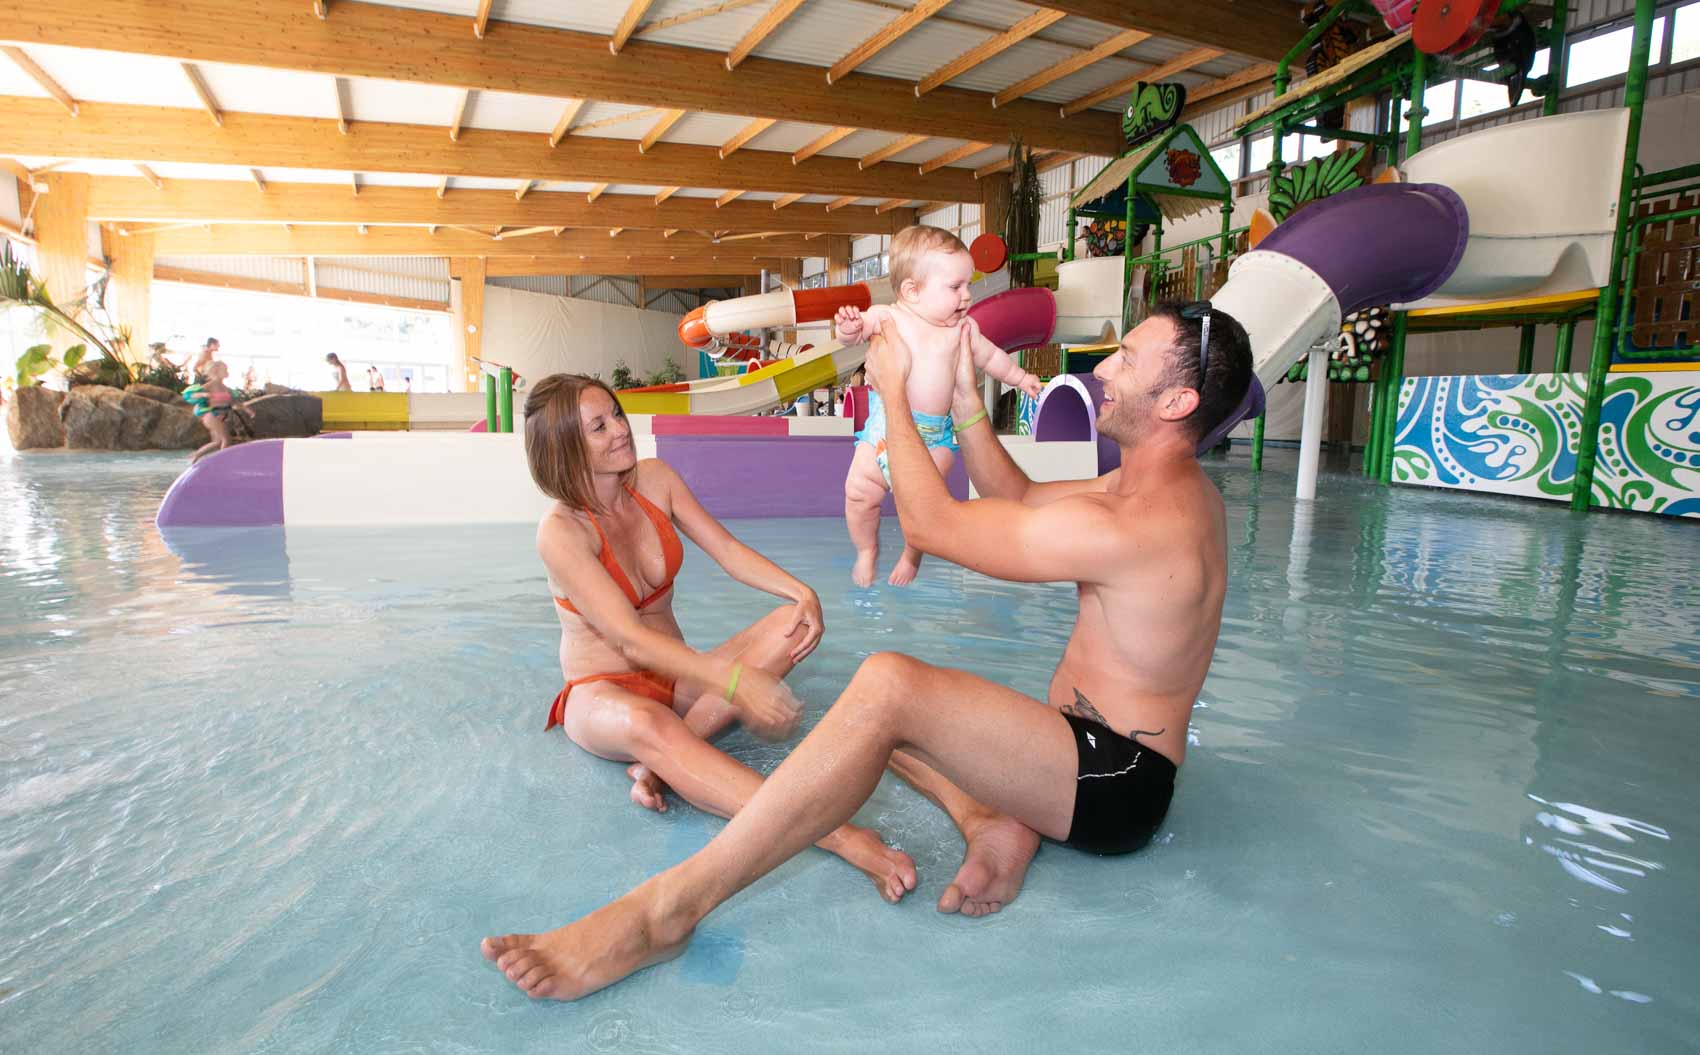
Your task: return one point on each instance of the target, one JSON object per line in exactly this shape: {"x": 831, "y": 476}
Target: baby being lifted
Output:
{"x": 930, "y": 271}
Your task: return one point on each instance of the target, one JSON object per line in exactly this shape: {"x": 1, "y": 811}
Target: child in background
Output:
{"x": 930, "y": 271}
{"x": 212, "y": 402}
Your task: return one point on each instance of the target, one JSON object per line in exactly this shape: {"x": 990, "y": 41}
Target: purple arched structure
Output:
{"x": 1068, "y": 410}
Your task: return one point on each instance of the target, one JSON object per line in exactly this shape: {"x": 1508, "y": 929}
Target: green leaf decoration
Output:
{"x": 74, "y": 355}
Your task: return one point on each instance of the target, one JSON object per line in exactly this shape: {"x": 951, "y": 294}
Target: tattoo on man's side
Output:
{"x": 1082, "y": 708}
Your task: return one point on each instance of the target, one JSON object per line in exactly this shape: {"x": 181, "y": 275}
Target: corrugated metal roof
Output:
{"x": 266, "y": 268}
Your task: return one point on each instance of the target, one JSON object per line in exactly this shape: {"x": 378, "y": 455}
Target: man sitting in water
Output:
{"x": 1094, "y": 764}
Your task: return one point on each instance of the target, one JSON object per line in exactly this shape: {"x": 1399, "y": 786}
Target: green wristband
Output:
{"x": 732, "y": 686}
{"x": 973, "y": 419}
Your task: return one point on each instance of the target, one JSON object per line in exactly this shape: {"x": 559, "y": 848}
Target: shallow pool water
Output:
{"x": 264, "y": 792}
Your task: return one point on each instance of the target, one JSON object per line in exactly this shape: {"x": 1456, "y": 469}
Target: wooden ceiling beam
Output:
{"x": 838, "y": 203}
{"x": 523, "y": 189}
{"x": 37, "y": 127}
{"x": 950, "y": 157}
{"x": 764, "y": 27}
{"x": 341, "y": 110}
{"x": 148, "y": 174}
{"x": 986, "y": 50}
{"x": 402, "y": 44}
{"x": 623, "y": 264}
{"x": 481, "y": 20}
{"x": 627, "y": 25}
{"x": 564, "y": 125}
{"x": 660, "y": 128}
{"x": 820, "y": 143}
{"x": 786, "y": 199}
{"x": 728, "y": 198}
{"x": 1154, "y": 75}
{"x": 202, "y": 93}
{"x": 664, "y": 193}
{"x": 259, "y": 180}
{"x": 745, "y": 134}
{"x": 883, "y": 38}
{"x": 1111, "y": 45}
{"x": 595, "y": 193}
{"x": 1263, "y": 29}
{"x": 460, "y": 115}
{"x": 451, "y": 240}
{"x": 40, "y": 77}
{"x": 891, "y": 150}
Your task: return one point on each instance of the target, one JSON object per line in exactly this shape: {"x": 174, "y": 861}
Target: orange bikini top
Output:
{"x": 672, "y": 553}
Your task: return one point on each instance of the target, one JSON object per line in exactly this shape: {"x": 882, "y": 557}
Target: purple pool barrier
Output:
{"x": 1067, "y": 412}
{"x": 239, "y": 486}
{"x": 1387, "y": 243}
{"x": 791, "y": 476}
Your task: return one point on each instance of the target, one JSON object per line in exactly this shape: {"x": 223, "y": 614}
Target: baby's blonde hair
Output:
{"x": 910, "y": 246}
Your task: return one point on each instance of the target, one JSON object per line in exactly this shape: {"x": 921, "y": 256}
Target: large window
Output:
{"x": 1606, "y": 54}
{"x": 284, "y": 339}
{"x": 1685, "y": 34}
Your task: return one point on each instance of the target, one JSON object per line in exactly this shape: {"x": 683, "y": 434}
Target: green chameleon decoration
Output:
{"x": 1315, "y": 179}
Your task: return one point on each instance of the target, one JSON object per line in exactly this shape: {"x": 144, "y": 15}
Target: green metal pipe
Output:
{"x": 1682, "y": 172}
{"x": 1395, "y": 384}
{"x": 1228, "y": 232}
{"x": 1376, "y": 403}
{"x": 1526, "y": 350}
{"x": 1555, "y": 59}
{"x": 505, "y": 398}
{"x": 1561, "y": 354}
{"x": 1227, "y": 227}
{"x": 1257, "y": 443}
{"x": 1414, "y": 119}
{"x": 490, "y": 422}
{"x": 1341, "y": 133}
{"x": 1635, "y": 98}
{"x": 1068, "y": 239}
{"x": 1127, "y": 259}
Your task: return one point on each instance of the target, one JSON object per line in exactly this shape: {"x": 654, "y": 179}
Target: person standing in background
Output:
{"x": 342, "y": 384}
{"x": 374, "y": 379}
{"x": 203, "y": 361}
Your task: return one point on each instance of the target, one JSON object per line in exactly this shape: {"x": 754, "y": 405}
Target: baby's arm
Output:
{"x": 854, "y": 326}
{"x": 997, "y": 362}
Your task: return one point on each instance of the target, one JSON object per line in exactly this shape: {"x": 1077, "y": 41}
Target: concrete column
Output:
{"x": 468, "y": 304}
{"x": 62, "y": 244}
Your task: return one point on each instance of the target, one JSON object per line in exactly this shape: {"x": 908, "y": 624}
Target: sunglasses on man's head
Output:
{"x": 1200, "y": 310}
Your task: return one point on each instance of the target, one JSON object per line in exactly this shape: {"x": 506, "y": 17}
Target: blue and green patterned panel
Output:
{"x": 1517, "y": 434}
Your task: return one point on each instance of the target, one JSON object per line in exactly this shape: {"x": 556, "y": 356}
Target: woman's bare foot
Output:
{"x": 648, "y": 790}
{"x": 892, "y": 871}
{"x": 576, "y": 960}
{"x": 999, "y": 850}
{"x": 867, "y": 561}
{"x": 907, "y": 566}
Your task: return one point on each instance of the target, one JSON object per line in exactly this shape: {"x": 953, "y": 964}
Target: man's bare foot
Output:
{"x": 999, "y": 850}
{"x": 892, "y": 871}
{"x": 907, "y": 567}
{"x": 867, "y": 560}
{"x": 648, "y": 790}
{"x": 576, "y": 960}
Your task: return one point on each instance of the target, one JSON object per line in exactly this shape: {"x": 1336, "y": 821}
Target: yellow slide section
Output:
{"x": 364, "y": 411}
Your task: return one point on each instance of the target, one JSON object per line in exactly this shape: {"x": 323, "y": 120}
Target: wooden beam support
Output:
{"x": 728, "y": 198}
{"x": 883, "y": 38}
{"x": 466, "y": 300}
{"x": 615, "y": 232}
{"x": 659, "y": 129}
{"x": 341, "y": 110}
{"x": 354, "y": 182}
{"x": 259, "y": 180}
{"x": 310, "y": 275}
{"x": 617, "y": 119}
{"x": 274, "y": 240}
{"x": 665, "y": 193}
{"x": 625, "y": 264}
{"x": 36, "y": 127}
{"x": 1246, "y": 78}
{"x": 745, "y": 134}
{"x": 821, "y": 143}
{"x": 217, "y": 280}
{"x": 460, "y": 115}
{"x": 595, "y": 193}
{"x": 952, "y": 156}
{"x": 786, "y": 199}
{"x": 564, "y": 125}
{"x": 891, "y": 150}
{"x": 200, "y": 88}
{"x": 391, "y": 43}
{"x": 628, "y": 23}
{"x": 687, "y": 17}
{"x": 1155, "y": 75}
{"x": 988, "y": 49}
{"x": 1263, "y": 29}
{"x": 442, "y": 188}
{"x": 524, "y": 189}
{"x": 1112, "y": 44}
{"x": 40, "y": 77}
{"x": 764, "y": 27}
{"x": 838, "y": 203}
{"x": 319, "y": 9}
{"x": 148, "y": 174}
{"x": 23, "y": 175}
{"x": 481, "y": 20}
{"x": 895, "y": 203}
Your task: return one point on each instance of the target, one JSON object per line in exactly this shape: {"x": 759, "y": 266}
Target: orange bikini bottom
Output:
{"x": 645, "y": 683}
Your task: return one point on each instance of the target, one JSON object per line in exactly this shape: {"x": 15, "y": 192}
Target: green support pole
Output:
{"x": 1068, "y": 239}
{"x": 1414, "y": 119}
{"x": 1555, "y": 59}
{"x": 1561, "y": 356}
{"x": 1395, "y": 383}
{"x": 1377, "y": 407}
{"x": 1127, "y": 258}
{"x": 1635, "y": 98}
{"x": 1257, "y": 443}
{"x": 505, "y": 398}
{"x": 490, "y": 422}
{"x": 1526, "y": 350}
{"x": 1227, "y": 226}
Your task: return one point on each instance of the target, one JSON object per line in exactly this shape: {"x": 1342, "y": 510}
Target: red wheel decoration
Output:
{"x": 989, "y": 253}
{"x": 1447, "y": 27}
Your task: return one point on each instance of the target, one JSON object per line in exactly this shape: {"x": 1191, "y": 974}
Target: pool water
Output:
{"x": 265, "y": 792}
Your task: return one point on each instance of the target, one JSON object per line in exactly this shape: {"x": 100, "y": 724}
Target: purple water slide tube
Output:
{"x": 1387, "y": 243}
{"x": 1067, "y": 412}
{"x": 239, "y": 486}
{"x": 1017, "y": 318}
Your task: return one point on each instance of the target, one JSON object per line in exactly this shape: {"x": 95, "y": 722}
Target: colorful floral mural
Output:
{"x": 1517, "y": 434}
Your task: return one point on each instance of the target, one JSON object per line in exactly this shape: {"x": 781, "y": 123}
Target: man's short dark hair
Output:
{"x": 330, "y": 357}
{"x": 1228, "y": 362}
{"x": 210, "y": 342}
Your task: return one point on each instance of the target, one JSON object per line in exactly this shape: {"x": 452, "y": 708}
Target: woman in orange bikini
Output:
{"x": 635, "y": 691}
